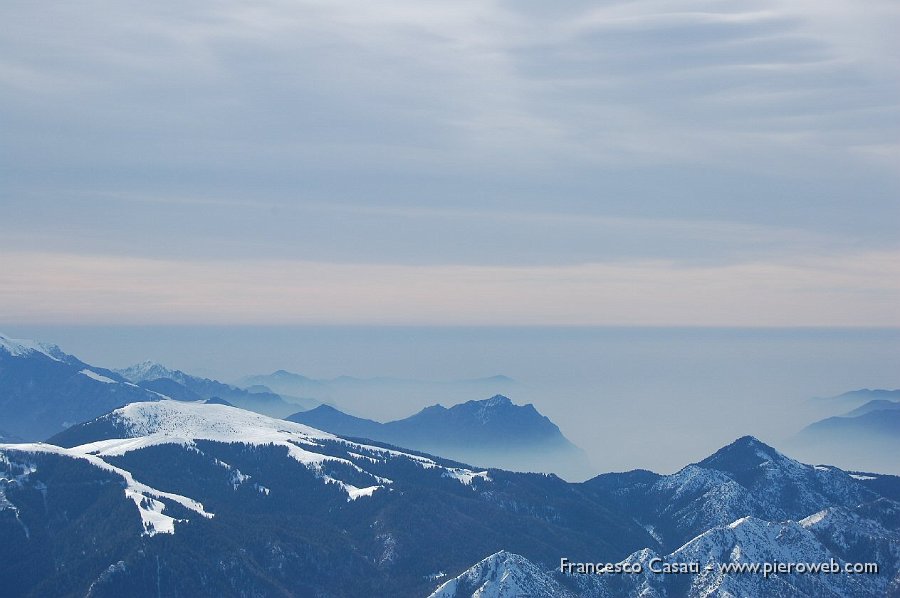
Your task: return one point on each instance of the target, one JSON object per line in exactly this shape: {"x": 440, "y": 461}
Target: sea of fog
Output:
{"x": 654, "y": 398}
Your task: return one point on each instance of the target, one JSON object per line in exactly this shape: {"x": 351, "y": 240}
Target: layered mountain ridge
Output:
{"x": 494, "y": 431}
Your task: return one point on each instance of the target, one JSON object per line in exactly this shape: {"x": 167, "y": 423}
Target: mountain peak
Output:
{"x": 323, "y": 408}
{"x": 497, "y": 401}
{"x": 501, "y": 574}
{"x": 148, "y": 370}
{"x": 751, "y": 441}
{"x": 23, "y": 347}
{"x": 743, "y": 447}
{"x": 747, "y": 455}
{"x": 286, "y": 375}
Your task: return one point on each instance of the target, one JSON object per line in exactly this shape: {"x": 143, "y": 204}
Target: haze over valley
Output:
{"x": 608, "y": 389}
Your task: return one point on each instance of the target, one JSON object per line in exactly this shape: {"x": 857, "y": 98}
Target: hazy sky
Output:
{"x": 654, "y": 162}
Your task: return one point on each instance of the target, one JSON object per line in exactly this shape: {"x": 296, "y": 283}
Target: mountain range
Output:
{"x": 179, "y": 498}
{"x": 181, "y": 386}
{"x": 291, "y": 383}
{"x": 493, "y": 432}
{"x": 45, "y": 390}
{"x": 380, "y": 397}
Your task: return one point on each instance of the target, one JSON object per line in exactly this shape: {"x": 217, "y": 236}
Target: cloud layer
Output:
{"x": 619, "y": 152}
{"x": 58, "y": 288}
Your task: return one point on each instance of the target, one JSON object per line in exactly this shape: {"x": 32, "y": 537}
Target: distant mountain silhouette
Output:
{"x": 7, "y": 437}
{"x": 283, "y": 381}
{"x": 876, "y": 405}
{"x": 867, "y": 436}
{"x": 868, "y": 394}
{"x": 875, "y": 424}
{"x": 493, "y": 432}
{"x": 395, "y": 398}
{"x": 185, "y": 387}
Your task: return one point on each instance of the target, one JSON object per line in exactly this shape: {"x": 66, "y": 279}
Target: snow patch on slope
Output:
{"x": 97, "y": 377}
{"x": 465, "y": 476}
{"x": 149, "y": 501}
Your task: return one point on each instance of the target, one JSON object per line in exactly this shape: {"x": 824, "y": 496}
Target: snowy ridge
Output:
{"x": 502, "y": 575}
{"x": 148, "y": 424}
{"x": 747, "y": 540}
{"x": 143, "y": 425}
{"x": 24, "y": 347}
{"x": 744, "y": 478}
{"x": 176, "y": 422}
{"x": 752, "y": 540}
{"x": 150, "y": 370}
{"x": 746, "y": 504}
{"x": 699, "y": 496}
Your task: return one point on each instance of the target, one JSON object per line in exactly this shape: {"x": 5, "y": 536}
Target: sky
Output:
{"x": 436, "y": 163}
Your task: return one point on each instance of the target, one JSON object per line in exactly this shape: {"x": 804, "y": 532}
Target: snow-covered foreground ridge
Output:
{"x": 825, "y": 537}
{"x": 138, "y": 426}
{"x": 747, "y": 505}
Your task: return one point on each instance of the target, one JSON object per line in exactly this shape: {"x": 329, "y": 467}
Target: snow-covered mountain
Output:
{"x": 493, "y": 431}
{"x": 751, "y": 504}
{"x": 714, "y": 558}
{"x": 43, "y": 390}
{"x": 745, "y": 478}
{"x": 749, "y": 540}
{"x": 14, "y": 347}
{"x": 182, "y": 386}
{"x": 205, "y": 499}
{"x": 140, "y": 426}
{"x": 503, "y": 575}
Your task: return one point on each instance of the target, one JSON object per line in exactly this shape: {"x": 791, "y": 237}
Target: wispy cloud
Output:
{"x": 468, "y": 81}
{"x": 652, "y": 143}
